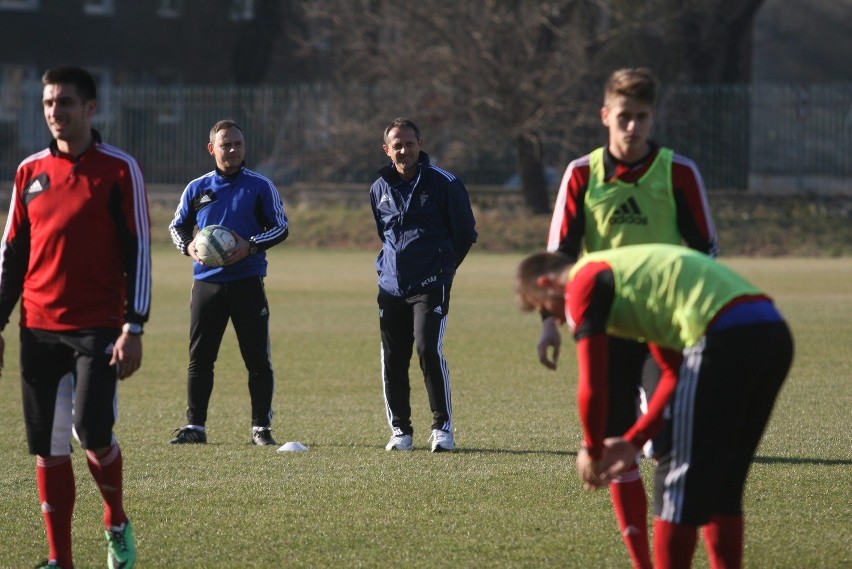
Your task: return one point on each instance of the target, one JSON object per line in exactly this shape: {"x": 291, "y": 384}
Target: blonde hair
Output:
{"x": 635, "y": 83}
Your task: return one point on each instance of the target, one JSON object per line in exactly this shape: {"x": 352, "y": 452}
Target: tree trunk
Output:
{"x": 533, "y": 180}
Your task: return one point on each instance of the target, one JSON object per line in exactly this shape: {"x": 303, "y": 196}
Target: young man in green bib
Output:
{"x": 630, "y": 191}
{"x": 724, "y": 351}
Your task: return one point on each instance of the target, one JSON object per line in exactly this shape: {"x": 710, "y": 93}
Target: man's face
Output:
{"x": 228, "y": 148}
{"x": 545, "y": 294}
{"x": 552, "y": 299}
{"x": 68, "y": 117}
{"x": 629, "y": 122}
{"x": 403, "y": 148}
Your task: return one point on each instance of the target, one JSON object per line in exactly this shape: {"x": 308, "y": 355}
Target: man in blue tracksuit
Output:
{"x": 249, "y": 205}
{"x": 424, "y": 219}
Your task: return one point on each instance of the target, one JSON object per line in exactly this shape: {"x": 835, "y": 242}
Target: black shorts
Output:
{"x": 67, "y": 381}
{"x": 630, "y": 368}
{"x": 725, "y": 393}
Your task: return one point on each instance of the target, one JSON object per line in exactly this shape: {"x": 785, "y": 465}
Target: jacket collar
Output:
{"x": 233, "y": 176}
{"x": 391, "y": 176}
{"x": 54, "y": 148}
{"x": 615, "y": 168}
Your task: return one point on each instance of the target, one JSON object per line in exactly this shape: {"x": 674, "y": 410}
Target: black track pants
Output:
{"x": 244, "y": 303}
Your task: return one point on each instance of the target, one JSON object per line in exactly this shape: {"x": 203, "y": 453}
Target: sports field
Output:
{"x": 508, "y": 497}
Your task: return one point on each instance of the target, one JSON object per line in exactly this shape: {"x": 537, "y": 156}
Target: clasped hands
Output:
{"x": 619, "y": 455}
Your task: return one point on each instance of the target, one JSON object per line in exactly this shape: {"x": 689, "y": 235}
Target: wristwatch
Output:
{"x": 132, "y": 328}
{"x": 252, "y": 247}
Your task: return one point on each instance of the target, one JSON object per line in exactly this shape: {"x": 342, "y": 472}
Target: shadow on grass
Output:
{"x": 519, "y": 452}
{"x": 465, "y": 450}
{"x": 801, "y": 460}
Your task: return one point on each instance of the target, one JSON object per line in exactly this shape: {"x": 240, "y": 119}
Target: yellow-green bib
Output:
{"x": 619, "y": 213}
{"x": 666, "y": 294}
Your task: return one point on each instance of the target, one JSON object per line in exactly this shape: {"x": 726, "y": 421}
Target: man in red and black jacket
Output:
{"x": 76, "y": 251}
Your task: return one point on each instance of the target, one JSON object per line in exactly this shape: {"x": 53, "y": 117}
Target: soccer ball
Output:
{"x": 213, "y": 243}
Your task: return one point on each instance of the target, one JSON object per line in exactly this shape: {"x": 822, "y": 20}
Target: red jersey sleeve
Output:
{"x": 568, "y": 222}
{"x": 652, "y": 422}
{"x": 15, "y": 248}
{"x": 693, "y": 212}
{"x": 588, "y": 299}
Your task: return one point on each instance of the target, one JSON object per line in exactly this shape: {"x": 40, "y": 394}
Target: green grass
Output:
{"x": 508, "y": 498}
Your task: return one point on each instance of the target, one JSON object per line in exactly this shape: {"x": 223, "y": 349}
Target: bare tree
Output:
{"x": 476, "y": 74}
{"x": 691, "y": 41}
{"x": 484, "y": 76}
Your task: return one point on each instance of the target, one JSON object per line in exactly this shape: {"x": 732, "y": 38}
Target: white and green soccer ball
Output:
{"x": 213, "y": 243}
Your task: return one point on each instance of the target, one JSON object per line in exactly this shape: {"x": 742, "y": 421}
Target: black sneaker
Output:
{"x": 188, "y": 435}
{"x": 262, "y": 436}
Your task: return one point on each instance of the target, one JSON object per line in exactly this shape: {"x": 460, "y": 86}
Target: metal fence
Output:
{"x": 734, "y": 133}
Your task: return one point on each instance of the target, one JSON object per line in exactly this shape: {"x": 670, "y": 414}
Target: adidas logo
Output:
{"x": 438, "y": 310}
{"x": 46, "y": 508}
{"x": 264, "y": 312}
{"x": 34, "y": 188}
{"x": 385, "y": 198}
{"x": 205, "y": 199}
{"x": 628, "y": 213}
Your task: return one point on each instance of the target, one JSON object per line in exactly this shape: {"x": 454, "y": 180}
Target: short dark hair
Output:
{"x": 224, "y": 124}
{"x": 635, "y": 83}
{"x": 71, "y": 75}
{"x": 401, "y": 123}
{"x": 532, "y": 267}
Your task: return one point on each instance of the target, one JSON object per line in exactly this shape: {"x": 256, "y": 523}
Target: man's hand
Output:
{"x": 589, "y": 471}
{"x": 619, "y": 456}
{"x": 550, "y": 338}
{"x": 239, "y": 252}
{"x": 127, "y": 354}
{"x": 190, "y": 249}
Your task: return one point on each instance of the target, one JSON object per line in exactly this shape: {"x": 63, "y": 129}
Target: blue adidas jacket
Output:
{"x": 426, "y": 227}
{"x": 245, "y": 202}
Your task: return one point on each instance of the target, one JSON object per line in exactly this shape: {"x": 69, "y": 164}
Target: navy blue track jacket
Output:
{"x": 426, "y": 227}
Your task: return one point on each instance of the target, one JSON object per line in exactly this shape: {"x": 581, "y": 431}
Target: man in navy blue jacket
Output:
{"x": 424, "y": 219}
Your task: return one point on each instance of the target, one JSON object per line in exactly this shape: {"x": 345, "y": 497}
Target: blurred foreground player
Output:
{"x": 724, "y": 351}
{"x": 76, "y": 251}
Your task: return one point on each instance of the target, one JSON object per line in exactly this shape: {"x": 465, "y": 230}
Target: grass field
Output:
{"x": 507, "y": 498}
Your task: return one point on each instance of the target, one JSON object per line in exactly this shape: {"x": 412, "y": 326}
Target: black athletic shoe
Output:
{"x": 262, "y": 436}
{"x": 188, "y": 436}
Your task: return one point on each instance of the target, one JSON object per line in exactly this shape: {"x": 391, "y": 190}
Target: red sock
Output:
{"x": 57, "y": 492}
{"x": 107, "y": 472}
{"x": 631, "y": 511}
{"x": 674, "y": 544}
{"x": 723, "y": 540}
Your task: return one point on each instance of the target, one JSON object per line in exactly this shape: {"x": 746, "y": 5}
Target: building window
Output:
{"x": 103, "y": 82}
{"x": 242, "y": 10}
{"x": 98, "y": 7}
{"x": 170, "y": 8}
{"x": 19, "y": 5}
{"x": 12, "y": 85}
